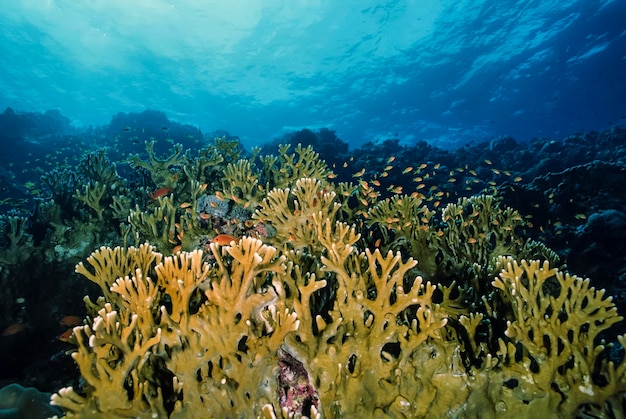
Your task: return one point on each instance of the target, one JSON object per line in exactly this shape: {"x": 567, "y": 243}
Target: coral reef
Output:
{"x": 15, "y": 240}
{"x": 159, "y": 169}
{"x": 295, "y": 212}
{"x": 273, "y": 286}
{"x": 215, "y": 346}
{"x": 348, "y": 331}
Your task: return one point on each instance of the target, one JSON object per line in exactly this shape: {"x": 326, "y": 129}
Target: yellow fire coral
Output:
{"x": 360, "y": 347}
{"x": 410, "y": 220}
{"x": 159, "y": 169}
{"x": 91, "y": 195}
{"x": 241, "y": 184}
{"x": 332, "y": 326}
{"x": 553, "y": 324}
{"x": 245, "y": 185}
{"x": 296, "y": 212}
{"x": 199, "y": 336}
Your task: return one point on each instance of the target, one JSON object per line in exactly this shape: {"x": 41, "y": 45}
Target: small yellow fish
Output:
{"x": 359, "y": 173}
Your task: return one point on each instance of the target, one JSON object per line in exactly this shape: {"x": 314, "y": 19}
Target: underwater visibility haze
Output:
{"x": 312, "y": 209}
{"x": 447, "y": 72}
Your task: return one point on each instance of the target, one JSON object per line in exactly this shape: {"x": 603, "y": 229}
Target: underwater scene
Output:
{"x": 355, "y": 209}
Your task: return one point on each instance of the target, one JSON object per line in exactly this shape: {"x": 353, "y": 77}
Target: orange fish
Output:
{"x": 14, "y": 329}
{"x": 65, "y": 336}
{"x": 159, "y": 193}
{"x": 70, "y": 321}
{"x": 224, "y": 239}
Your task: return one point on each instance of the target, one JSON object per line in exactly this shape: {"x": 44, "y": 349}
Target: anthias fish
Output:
{"x": 224, "y": 239}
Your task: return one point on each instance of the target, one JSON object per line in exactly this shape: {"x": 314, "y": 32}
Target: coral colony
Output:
{"x": 261, "y": 287}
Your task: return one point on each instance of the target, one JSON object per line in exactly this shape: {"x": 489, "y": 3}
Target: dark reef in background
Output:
{"x": 572, "y": 191}
{"x": 33, "y": 124}
{"x": 325, "y": 141}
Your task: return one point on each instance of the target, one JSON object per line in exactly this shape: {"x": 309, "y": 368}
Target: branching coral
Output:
{"x": 365, "y": 343}
{"x": 180, "y": 170}
{"x": 158, "y": 226}
{"x": 245, "y": 185}
{"x": 101, "y": 183}
{"x": 95, "y": 183}
{"x": 411, "y": 222}
{"x": 91, "y": 195}
{"x": 16, "y": 243}
{"x": 478, "y": 231}
{"x": 295, "y": 213}
{"x": 475, "y": 232}
{"x": 320, "y": 319}
{"x": 159, "y": 169}
{"x": 208, "y": 333}
{"x": 96, "y": 167}
{"x": 284, "y": 171}
{"x": 168, "y": 226}
{"x": 548, "y": 361}
{"x": 241, "y": 184}
{"x": 202, "y": 168}
{"x": 553, "y": 324}
{"x": 62, "y": 184}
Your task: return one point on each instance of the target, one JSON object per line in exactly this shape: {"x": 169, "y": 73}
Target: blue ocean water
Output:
{"x": 447, "y": 72}
{"x": 435, "y": 100}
